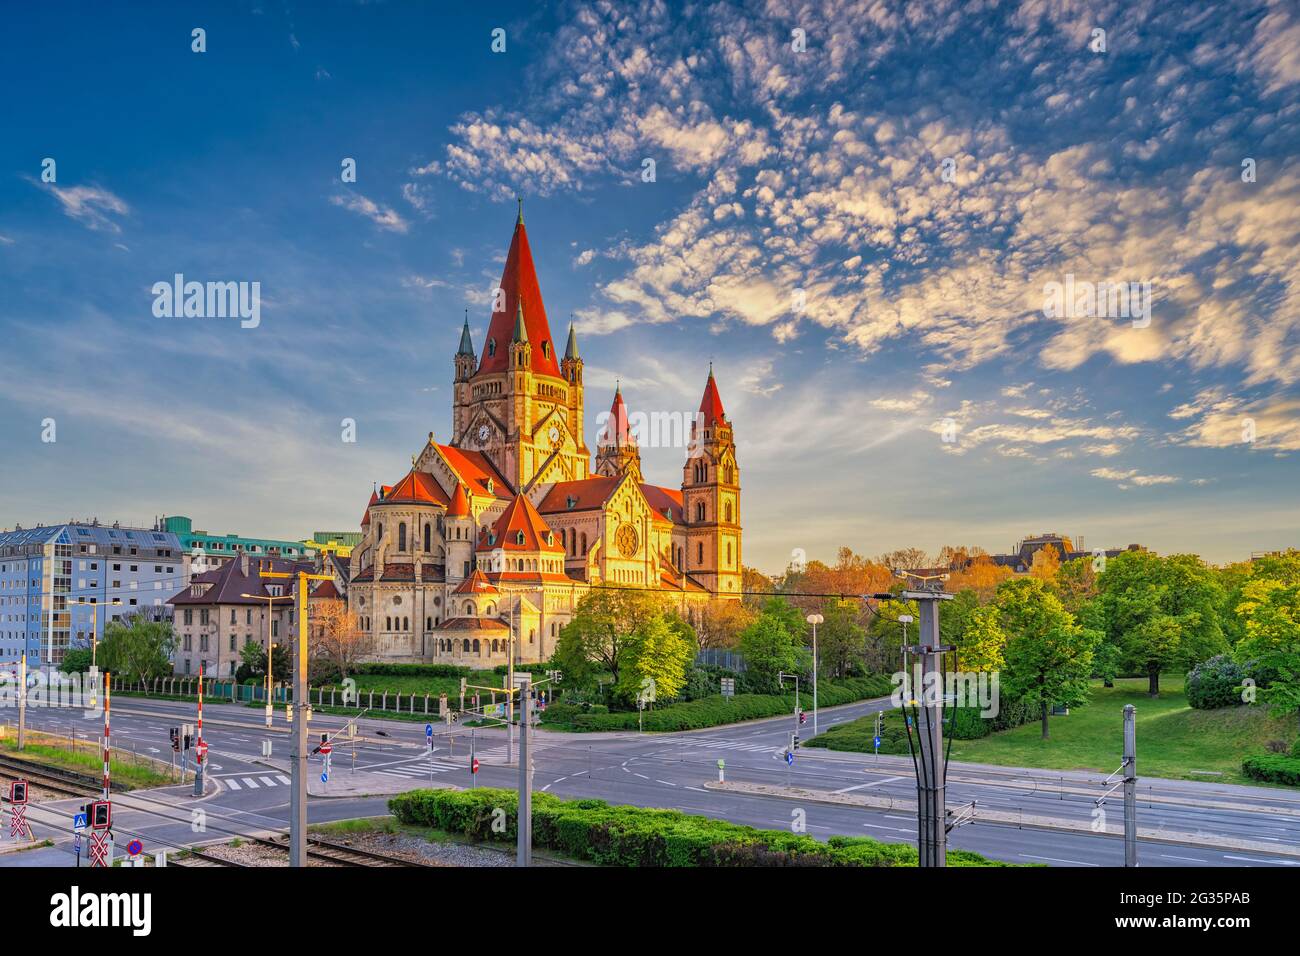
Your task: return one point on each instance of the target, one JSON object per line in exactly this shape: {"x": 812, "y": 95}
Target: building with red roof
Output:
{"x": 485, "y": 546}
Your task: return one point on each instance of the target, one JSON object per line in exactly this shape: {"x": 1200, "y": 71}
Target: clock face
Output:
{"x": 483, "y": 433}
{"x": 555, "y": 434}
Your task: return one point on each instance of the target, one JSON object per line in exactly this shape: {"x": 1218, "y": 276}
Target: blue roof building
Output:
{"x": 59, "y": 581}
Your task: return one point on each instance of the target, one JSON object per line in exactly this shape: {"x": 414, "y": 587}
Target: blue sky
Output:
{"x": 776, "y": 170}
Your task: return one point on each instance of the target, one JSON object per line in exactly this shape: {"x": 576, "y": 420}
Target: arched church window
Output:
{"x": 727, "y": 508}
{"x": 467, "y": 645}
{"x": 401, "y": 536}
{"x": 476, "y": 645}
{"x": 428, "y": 536}
{"x": 492, "y": 346}
{"x": 584, "y": 542}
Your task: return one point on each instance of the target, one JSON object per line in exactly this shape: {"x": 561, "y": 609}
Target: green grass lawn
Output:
{"x": 127, "y": 775}
{"x": 1172, "y": 738}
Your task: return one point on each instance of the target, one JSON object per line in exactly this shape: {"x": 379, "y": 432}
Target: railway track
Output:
{"x": 68, "y": 782}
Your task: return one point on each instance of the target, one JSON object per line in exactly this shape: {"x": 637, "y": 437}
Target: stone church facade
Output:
{"x": 487, "y": 544}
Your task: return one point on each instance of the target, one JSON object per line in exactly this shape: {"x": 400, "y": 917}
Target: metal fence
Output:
{"x": 720, "y": 657}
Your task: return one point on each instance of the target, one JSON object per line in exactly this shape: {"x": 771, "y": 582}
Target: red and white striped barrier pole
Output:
{"x": 108, "y": 687}
{"x": 199, "y": 749}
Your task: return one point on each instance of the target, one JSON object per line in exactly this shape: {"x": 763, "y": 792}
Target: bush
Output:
{"x": 1273, "y": 768}
{"x": 1215, "y": 683}
{"x": 635, "y": 836}
{"x": 716, "y": 710}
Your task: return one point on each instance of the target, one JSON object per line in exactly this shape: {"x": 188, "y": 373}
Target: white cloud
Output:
{"x": 385, "y": 217}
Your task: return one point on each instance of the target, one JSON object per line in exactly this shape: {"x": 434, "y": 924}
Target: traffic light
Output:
{"x": 101, "y": 815}
{"x": 803, "y": 718}
{"x": 18, "y": 791}
{"x": 176, "y": 739}
{"x": 189, "y": 741}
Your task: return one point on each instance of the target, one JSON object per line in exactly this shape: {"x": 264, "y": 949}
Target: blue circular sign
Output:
{"x": 324, "y": 778}
{"x": 789, "y": 757}
{"x": 877, "y": 741}
{"x": 134, "y": 847}
{"x": 428, "y": 730}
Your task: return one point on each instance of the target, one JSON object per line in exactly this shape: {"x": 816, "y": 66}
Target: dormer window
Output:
{"x": 550, "y": 537}
{"x": 546, "y": 349}
{"x": 519, "y": 537}
{"x": 491, "y": 487}
{"x": 571, "y": 501}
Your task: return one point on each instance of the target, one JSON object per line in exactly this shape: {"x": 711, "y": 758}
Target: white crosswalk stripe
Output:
{"x": 250, "y": 783}
{"x": 418, "y": 770}
{"x": 283, "y": 779}
{"x": 233, "y": 784}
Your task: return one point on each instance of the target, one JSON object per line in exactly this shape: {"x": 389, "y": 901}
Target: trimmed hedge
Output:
{"x": 609, "y": 835}
{"x": 716, "y": 710}
{"x": 1273, "y": 768}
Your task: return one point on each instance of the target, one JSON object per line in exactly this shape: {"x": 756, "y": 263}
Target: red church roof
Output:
{"x": 519, "y": 282}
{"x": 476, "y": 583}
{"x": 418, "y": 486}
{"x": 459, "y": 506}
{"x": 520, "y": 518}
{"x": 711, "y": 403}
{"x": 475, "y": 469}
{"x": 365, "y": 518}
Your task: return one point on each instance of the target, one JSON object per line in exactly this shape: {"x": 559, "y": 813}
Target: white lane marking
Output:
{"x": 283, "y": 779}
{"x": 1052, "y": 859}
{"x": 268, "y": 781}
{"x": 877, "y": 826}
{"x": 872, "y": 783}
{"x": 666, "y": 783}
{"x": 698, "y": 790}
{"x": 1256, "y": 859}
{"x": 1192, "y": 859}
{"x": 233, "y": 784}
{"x": 641, "y": 775}
{"x": 250, "y": 783}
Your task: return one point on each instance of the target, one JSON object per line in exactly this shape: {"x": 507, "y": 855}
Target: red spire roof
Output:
{"x": 418, "y": 486}
{"x": 711, "y": 403}
{"x": 519, "y": 282}
{"x": 459, "y": 506}
{"x": 520, "y": 528}
{"x": 365, "y": 518}
{"x": 476, "y": 583}
{"x": 616, "y": 430}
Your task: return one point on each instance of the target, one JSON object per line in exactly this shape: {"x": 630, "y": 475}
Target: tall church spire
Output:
{"x": 521, "y": 328}
{"x": 466, "y": 343}
{"x": 571, "y": 350}
{"x": 519, "y": 286}
{"x": 711, "y": 403}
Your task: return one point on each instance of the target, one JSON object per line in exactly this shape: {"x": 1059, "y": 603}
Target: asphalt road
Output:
{"x": 246, "y": 795}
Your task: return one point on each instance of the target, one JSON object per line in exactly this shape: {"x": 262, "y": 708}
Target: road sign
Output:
{"x": 728, "y": 687}
{"x": 327, "y": 748}
{"x": 473, "y": 765}
{"x": 135, "y": 847}
{"x": 324, "y": 778}
{"x": 79, "y": 822}
{"x": 789, "y": 758}
{"x": 428, "y": 730}
{"x": 202, "y": 748}
{"x": 877, "y": 742}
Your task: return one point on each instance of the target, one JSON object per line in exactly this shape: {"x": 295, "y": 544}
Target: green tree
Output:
{"x": 1076, "y": 584}
{"x": 137, "y": 648}
{"x": 604, "y": 621}
{"x": 982, "y": 645}
{"x": 76, "y": 660}
{"x": 1160, "y": 612}
{"x": 1048, "y": 656}
{"x": 1270, "y": 611}
{"x": 663, "y": 649}
{"x": 773, "y": 644}
{"x": 840, "y": 639}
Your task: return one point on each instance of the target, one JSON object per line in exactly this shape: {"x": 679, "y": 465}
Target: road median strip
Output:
{"x": 1003, "y": 818}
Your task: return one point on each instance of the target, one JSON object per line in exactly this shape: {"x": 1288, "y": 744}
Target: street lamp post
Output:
{"x": 814, "y": 620}
{"x": 270, "y": 646}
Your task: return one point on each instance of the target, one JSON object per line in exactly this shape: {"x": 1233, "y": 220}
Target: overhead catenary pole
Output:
{"x": 927, "y": 704}
{"x": 298, "y": 763}
{"x": 1130, "y": 787}
{"x": 524, "y": 823}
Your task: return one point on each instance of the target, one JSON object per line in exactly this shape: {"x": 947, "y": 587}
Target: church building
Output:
{"x": 487, "y": 544}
